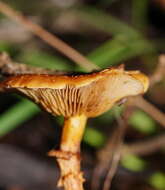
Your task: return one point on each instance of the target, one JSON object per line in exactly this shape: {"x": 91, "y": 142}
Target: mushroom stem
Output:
{"x": 68, "y": 157}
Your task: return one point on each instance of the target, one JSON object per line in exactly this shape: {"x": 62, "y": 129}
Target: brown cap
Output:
{"x": 88, "y": 94}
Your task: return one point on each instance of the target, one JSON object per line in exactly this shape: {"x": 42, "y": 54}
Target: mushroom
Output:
{"x": 77, "y": 98}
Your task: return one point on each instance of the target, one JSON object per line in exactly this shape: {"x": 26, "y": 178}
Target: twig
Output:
{"x": 116, "y": 155}
{"x": 145, "y": 147}
{"x": 8, "y": 67}
{"x": 149, "y": 108}
{"x": 49, "y": 38}
{"x": 109, "y": 156}
{"x": 112, "y": 169}
{"x": 159, "y": 72}
{"x": 105, "y": 156}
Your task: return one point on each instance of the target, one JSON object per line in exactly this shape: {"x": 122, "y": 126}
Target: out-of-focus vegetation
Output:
{"x": 148, "y": 126}
{"x": 108, "y": 33}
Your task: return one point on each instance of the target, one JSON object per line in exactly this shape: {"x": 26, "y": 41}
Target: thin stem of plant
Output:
{"x": 116, "y": 154}
{"x": 49, "y": 38}
{"x": 105, "y": 158}
{"x": 159, "y": 73}
{"x": 146, "y": 106}
{"x": 8, "y": 67}
{"x": 145, "y": 147}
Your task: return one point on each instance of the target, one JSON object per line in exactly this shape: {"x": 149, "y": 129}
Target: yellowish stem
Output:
{"x": 68, "y": 157}
{"x": 72, "y": 133}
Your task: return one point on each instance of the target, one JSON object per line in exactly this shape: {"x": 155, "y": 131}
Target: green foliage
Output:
{"x": 126, "y": 42}
{"x": 94, "y": 137}
{"x": 16, "y": 115}
{"x": 106, "y": 22}
{"x": 139, "y": 13}
{"x": 4, "y": 46}
{"x": 157, "y": 180}
{"x": 7, "y": 47}
{"x": 42, "y": 59}
{"x": 133, "y": 163}
{"x": 142, "y": 122}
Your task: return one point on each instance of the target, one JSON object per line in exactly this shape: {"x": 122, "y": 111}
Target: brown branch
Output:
{"x": 116, "y": 155}
{"x": 112, "y": 169}
{"x": 8, "y": 67}
{"x": 49, "y": 38}
{"x": 145, "y": 147}
{"x": 104, "y": 156}
{"x": 109, "y": 156}
{"x": 159, "y": 72}
{"x": 149, "y": 108}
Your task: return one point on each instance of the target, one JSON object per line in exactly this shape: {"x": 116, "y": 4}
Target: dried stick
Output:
{"x": 109, "y": 156}
{"x": 117, "y": 154}
{"x": 159, "y": 72}
{"x": 105, "y": 157}
{"x": 49, "y": 38}
{"x": 149, "y": 108}
{"x": 145, "y": 147}
{"x": 8, "y": 67}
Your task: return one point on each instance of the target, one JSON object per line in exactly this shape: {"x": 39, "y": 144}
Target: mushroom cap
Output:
{"x": 88, "y": 94}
